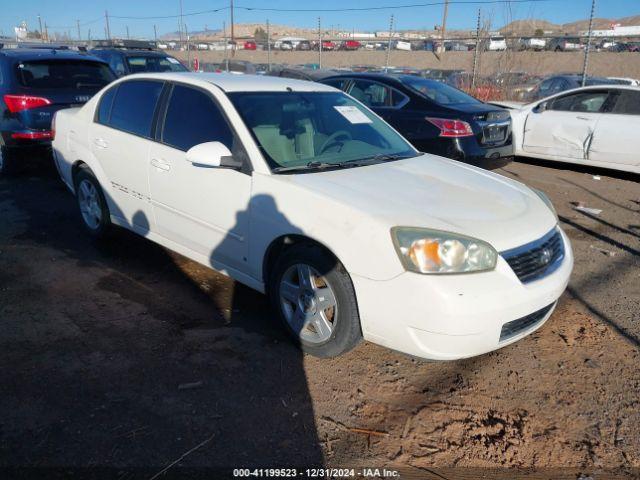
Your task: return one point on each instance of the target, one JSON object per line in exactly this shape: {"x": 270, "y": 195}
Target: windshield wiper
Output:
{"x": 314, "y": 165}
{"x": 379, "y": 158}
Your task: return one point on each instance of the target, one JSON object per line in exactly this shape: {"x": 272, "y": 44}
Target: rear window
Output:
{"x": 154, "y": 64}
{"x": 438, "y": 92}
{"x": 63, "y": 74}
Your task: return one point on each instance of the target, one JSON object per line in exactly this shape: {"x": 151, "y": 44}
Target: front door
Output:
{"x": 617, "y": 138}
{"x": 202, "y": 209}
{"x": 563, "y": 127}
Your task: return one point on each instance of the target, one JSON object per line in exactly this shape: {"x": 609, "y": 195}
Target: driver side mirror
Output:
{"x": 542, "y": 107}
{"x": 211, "y": 155}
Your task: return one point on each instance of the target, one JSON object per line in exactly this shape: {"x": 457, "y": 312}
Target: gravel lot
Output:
{"x": 122, "y": 354}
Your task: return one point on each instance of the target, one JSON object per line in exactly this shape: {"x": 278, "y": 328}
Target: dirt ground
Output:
{"x": 624, "y": 64}
{"x": 123, "y": 355}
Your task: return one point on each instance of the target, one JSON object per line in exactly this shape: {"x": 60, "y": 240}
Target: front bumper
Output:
{"x": 448, "y": 317}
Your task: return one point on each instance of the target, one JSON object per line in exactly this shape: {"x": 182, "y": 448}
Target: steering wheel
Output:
{"x": 333, "y": 139}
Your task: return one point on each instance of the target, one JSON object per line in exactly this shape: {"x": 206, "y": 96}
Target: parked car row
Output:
{"x": 226, "y": 169}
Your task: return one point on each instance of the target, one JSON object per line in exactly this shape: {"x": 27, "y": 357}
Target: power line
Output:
{"x": 390, "y": 7}
{"x": 328, "y": 10}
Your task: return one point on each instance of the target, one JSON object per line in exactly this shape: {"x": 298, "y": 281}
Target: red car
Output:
{"x": 250, "y": 45}
{"x": 350, "y": 45}
{"x": 326, "y": 45}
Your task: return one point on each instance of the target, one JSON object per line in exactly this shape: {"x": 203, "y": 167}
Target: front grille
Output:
{"x": 536, "y": 259}
{"x": 514, "y": 327}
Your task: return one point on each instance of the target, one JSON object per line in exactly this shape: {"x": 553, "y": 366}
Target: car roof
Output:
{"x": 44, "y": 54}
{"x": 370, "y": 75}
{"x": 131, "y": 52}
{"x": 229, "y": 82}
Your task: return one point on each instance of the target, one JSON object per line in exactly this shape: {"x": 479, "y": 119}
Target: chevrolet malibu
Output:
{"x": 297, "y": 190}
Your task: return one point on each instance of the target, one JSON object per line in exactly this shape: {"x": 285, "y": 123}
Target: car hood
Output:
{"x": 434, "y": 192}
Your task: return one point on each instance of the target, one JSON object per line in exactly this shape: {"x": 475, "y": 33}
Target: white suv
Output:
{"x": 297, "y": 190}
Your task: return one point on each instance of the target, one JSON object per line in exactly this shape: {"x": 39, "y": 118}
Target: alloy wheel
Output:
{"x": 89, "y": 204}
{"x": 308, "y": 303}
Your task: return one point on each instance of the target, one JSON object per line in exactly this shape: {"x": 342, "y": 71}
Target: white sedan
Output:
{"x": 596, "y": 126}
{"x": 297, "y": 190}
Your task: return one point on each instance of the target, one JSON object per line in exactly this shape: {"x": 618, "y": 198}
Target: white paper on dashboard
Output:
{"x": 353, "y": 114}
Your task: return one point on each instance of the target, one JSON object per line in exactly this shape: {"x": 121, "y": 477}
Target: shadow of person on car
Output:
{"x": 275, "y": 419}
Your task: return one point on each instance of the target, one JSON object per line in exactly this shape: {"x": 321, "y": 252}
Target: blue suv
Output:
{"x": 34, "y": 84}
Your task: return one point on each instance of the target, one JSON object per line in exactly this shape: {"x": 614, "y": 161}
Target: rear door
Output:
{"x": 564, "y": 129}
{"x": 617, "y": 135}
{"x": 120, "y": 139}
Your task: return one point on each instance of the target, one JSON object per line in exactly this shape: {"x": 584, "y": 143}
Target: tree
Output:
{"x": 539, "y": 32}
{"x": 260, "y": 35}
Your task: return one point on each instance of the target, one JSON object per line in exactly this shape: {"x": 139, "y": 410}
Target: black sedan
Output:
{"x": 435, "y": 117}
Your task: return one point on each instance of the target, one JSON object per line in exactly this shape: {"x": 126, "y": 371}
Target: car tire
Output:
{"x": 92, "y": 206}
{"x": 7, "y": 162}
{"x": 321, "y": 332}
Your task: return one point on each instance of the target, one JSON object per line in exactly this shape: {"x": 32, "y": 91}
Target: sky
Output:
{"x": 61, "y": 15}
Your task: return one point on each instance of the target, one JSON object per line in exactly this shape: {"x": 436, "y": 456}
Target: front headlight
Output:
{"x": 431, "y": 251}
{"x": 545, "y": 199}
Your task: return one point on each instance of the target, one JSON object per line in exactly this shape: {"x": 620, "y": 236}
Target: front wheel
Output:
{"x": 314, "y": 298}
{"x": 94, "y": 211}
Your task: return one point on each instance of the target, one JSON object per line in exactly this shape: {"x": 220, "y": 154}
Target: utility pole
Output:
{"x": 155, "y": 33}
{"x": 46, "y": 32}
{"x": 186, "y": 34}
{"x": 586, "y": 50}
{"x": 268, "y": 47}
{"x": 78, "y": 25}
{"x": 181, "y": 25}
{"x": 233, "y": 42}
{"x": 319, "y": 44}
{"x": 127, "y": 32}
{"x": 475, "y": 53}
{"x": 444, "y": 23}
{"x": 386, "y": 63}
{"x": 89, "y": 36}
{"x": 226, "y": 44}
{"x": 41, "y": 32}
{"x": 106, "y": 17}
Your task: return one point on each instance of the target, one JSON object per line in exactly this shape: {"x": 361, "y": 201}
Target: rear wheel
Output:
{"x": 92, "y": 204}
{"x": 314, "y": 298}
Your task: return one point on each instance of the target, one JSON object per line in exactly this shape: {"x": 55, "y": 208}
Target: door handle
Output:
{"x": 582, "y": 118}
{"x": 161, "y": 164}
{"x": 100, "y": 143}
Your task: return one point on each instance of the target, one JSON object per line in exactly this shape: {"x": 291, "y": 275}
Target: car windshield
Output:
{"x": 317, "y": 129}
{"x": 438, "y": 92}
{"x": 154, "y": 64}
{"x": 64, "y": 74}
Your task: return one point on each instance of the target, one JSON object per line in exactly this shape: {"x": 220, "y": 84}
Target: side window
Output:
{"x": 117, "y": 64}
{"x": 557, "y": 86}
{"x": 628, "y": 103}
{"x": 134, "y": 106}
{"x": 545, "y": 86}
{"x": 340, "y": 83}
{"x": 398, "y": 98}
{"x": 372, "y": 94}
{"x": 586, "y": 102}
{"x": 193, "y": 118}
{"x": 104, "y": 109}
